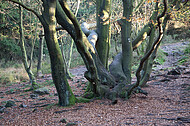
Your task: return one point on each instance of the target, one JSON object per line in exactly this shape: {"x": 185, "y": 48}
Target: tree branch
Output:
{"x": 165, "y": 9}
{"x": 71, "y": 17}
{"x": 85, "y": 48}
{"x": 154, "y": 46}
{"x": 141, "y": 36}
{"x": 27, "y": 8}
{"x": 139, "y": 5}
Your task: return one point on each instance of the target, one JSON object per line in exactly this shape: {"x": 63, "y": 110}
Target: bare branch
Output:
{"x": 139, "y": 5}
{"x": 78, "y": 5}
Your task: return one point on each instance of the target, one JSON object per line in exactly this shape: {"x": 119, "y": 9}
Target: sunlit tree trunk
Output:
{"x": 66, "y": 97}
{"x": 103, "y": 15}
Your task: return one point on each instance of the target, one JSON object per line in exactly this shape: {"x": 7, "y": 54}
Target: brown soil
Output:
{"x": 167, "y": 103}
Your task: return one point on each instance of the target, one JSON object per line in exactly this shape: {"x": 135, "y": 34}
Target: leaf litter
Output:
{"x": 167, "y": 103}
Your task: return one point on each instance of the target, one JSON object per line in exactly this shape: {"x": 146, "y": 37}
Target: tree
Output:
{"x": 103, "y": 83}
{"x": 24, "y": 55}
{"x": 103, "y": 15}
{"x": 40, "y": 56}
{"x": 47, "y": 19}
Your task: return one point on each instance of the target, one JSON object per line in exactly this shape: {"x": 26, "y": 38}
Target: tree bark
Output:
{"x": 66, "y": 97}
{"x": 126, "y": 39}
{"x": 154, "y": 48}
{"x": 147, "y": 68}
{"x": 103, "y": 9}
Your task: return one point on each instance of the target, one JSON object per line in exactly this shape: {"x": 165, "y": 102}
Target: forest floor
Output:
{"x": 167, "y": 102}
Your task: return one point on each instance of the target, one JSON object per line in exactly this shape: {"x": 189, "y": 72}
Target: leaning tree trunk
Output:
{"x": 103, "y": 8}
{"x": 147, "y": 68}
{"x": 24, "y": 55}
{"x": 148, "y": 65}
{"x": 102, "y": 82}
{"x": 66, "y": 97}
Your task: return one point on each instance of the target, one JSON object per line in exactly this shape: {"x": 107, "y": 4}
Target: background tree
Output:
{"x": 24, "y": 55}
{"x": 40, "y": 56}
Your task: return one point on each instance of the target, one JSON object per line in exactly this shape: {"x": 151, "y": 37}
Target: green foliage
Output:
{"x": 86, "y": 10}
{"x": 46, "y": 66}
{"x": 9, "y": 49}
{"x": 161, "y": 56}
{"x": 8, "y": 19}
{"x": 11, "y": 91}
{"x": 7, "y": 64}
{"x": 183, "y": 59}
{"x": 186, "y": 57}
{"x": 77, "y": 62}
{"x": 88, "y": 95}
{"x": 187, "y": 50}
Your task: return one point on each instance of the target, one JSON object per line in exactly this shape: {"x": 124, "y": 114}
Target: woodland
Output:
{"x": 113, "y": 46}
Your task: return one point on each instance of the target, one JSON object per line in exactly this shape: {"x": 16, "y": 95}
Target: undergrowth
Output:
{"x": 186, "y": 57}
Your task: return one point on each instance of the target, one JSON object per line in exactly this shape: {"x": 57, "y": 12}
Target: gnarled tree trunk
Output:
{"x": 103, "y": 83}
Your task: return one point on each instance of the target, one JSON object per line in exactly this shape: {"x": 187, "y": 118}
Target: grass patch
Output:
{"x": 187, "y": 50}
{"x": 10, "y": 75}
{"x": 183, "y": 60}
{"x": 186, "y": 57}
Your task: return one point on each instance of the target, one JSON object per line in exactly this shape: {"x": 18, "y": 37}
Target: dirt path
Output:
{"x": 167, "y": 103}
